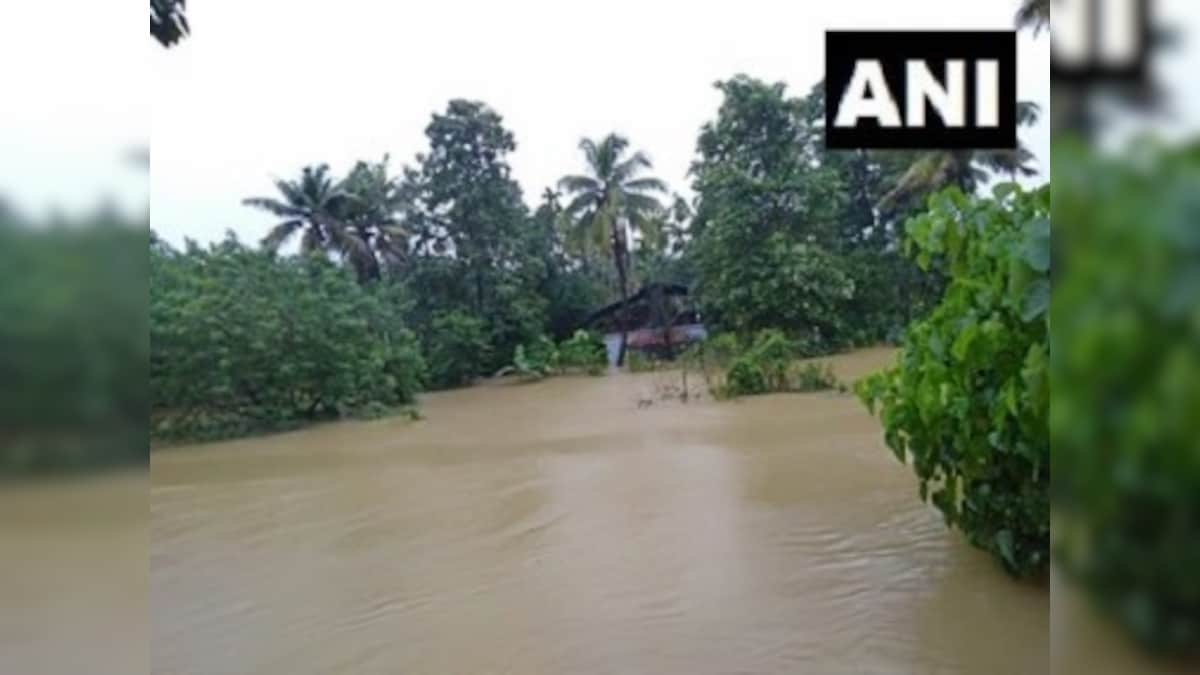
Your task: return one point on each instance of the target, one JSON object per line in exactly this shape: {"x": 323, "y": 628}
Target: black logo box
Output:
{"x": 893, "y": 49}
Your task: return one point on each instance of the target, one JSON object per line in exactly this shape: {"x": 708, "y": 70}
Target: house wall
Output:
{"x": 649, "y": 338}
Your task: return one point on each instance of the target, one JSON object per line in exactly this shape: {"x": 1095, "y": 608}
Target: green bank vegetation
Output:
{"x": 967, "y": 403}
{"x": 382, "y": 282}
{"x": 1125, "y": 383}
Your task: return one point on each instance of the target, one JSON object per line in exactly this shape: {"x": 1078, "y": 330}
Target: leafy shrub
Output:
{"x": 583, "y": 351}
{"x": 243, "y": 341}
{"x": 815, "y": 377}
{"x": 1125, "y": 419}
{"x": 744, "y": 378}
{"x": 721, "y": 349}
{"x": 969, "y": 400}
{"x": 538, "y": 360}
{"x": 768, "y": 364}
{"x": 458, "y": 349}
{"x": 73, "y": 344}
{"x": 774, "y": 282}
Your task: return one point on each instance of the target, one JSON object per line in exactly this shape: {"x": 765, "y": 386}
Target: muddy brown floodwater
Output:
{"x": 558, "y": 527}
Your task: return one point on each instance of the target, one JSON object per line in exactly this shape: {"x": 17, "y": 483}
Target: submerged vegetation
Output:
{"x": 968, "y": 403}
{"x": 762, "y": 363}
{"x": 583, "y": 353}
{"x": 245, "y": 341}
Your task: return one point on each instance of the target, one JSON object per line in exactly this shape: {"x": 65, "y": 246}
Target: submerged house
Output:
{"x": 660, "y": 319}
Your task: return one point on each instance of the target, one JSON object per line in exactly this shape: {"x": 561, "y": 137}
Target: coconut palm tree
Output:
{"x": 613, "y": 198}
{"x": 934, "y": 170}
{"x": 1034, "y": 14}
{"x": 1019, "y": 161}
{"x": 314, "y": 207}
{"x": 372, "y": 214}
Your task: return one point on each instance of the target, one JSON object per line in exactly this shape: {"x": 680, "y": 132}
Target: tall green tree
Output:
{"x": 864, "y": 176}
{"x": 614, "y": 197}
{"x": 767, "y": 208}
{"x": 471, "y": 228}
{"x": 758, "y": 154}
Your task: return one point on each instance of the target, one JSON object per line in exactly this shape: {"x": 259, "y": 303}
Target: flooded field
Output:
{"x": 558, "y": 527}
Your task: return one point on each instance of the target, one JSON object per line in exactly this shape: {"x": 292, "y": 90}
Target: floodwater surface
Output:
{"x": 570, "y": 526}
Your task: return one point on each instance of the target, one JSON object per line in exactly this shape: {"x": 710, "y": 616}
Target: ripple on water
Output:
{"x": 555, "y": 528}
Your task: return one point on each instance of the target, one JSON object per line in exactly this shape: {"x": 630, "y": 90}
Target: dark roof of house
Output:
{"x": 610, "y": 310}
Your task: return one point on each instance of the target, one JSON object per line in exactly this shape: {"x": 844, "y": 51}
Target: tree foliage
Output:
{"x": 472, "y": 230}
{"x": 245, "y": 341}
{"x": 73, "y": 344}
{"x": 767, "y": 219}
{"x": 1125, "y": 382}
{"x": 355, "y": 219}
{"x": 458, "y": 349}
{"x": 969, "y": 400}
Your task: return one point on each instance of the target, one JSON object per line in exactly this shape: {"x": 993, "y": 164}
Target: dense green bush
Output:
{"x": 536, "y": 360}
{"x": 1125, "y": 414}
{"x": 762, "y": 367}
{"x": 244, "y": 341}
{"x": 583, "y": 352}
{"x": 969, "y": 400}
{"x": 458, "y": 349}
{"x": 890, "y": 291}
{"x": 764, "y": 363}
{"x": 774, "y": 282}
{"x": 73, "y": 344}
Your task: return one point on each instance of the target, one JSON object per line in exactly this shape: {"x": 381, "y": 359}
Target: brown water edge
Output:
{"x": 555, "y": 527}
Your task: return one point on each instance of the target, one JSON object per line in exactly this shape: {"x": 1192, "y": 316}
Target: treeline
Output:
{"x": 789, "y": 235}
{"x": 439, "y": 273}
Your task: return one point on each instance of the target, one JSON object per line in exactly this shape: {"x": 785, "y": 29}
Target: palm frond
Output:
{"x": 1028, "y": 113}
{"x": 281, "y": 233}
{"x": 579, "y": 184}
{"x": 627, "y": 169}
{"x": 582, "y": 202}
{"x": 274, "y": 206}
{"x": 637, "y": 203}
{"x": 1034, "y": 14}
{"x": 930, "y": 172}
{"x": 645, "y": 185}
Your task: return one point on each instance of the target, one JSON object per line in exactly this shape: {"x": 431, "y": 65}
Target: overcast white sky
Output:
{"x": 73, "y": 103}
{"x": 263, "y": 87}
{"x": 266, "y": 86}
